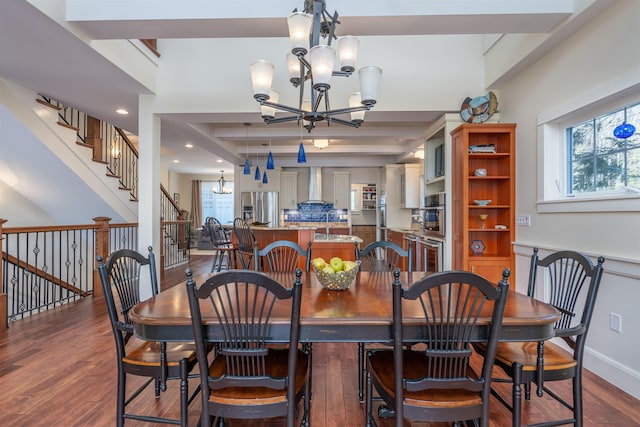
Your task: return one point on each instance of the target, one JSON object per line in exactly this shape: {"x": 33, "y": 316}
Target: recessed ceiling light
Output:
{"x": 122, "y": 111}
{"x": 219, "y": 160}
{"x": 188, "y": 145}
{"x": 176, "y": 161}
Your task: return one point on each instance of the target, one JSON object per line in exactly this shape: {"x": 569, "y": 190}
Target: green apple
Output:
{"x": 336, "y": 263}
{"x": 318, "y": 263}
{"x": 328, "y": 270}
{"x": 349, "y": 265}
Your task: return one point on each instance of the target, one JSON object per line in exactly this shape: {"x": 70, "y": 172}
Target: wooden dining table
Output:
{"x": 361, "y": 313}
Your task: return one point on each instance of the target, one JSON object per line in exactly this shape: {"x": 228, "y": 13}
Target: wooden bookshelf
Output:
{"x": 478, "y": 245}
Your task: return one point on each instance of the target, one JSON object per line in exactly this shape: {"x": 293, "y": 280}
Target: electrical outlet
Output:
{"x": 615, "y": 322}
{"x": 523, "y": 220}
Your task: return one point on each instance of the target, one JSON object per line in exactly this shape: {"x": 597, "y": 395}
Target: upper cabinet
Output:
{"x": 484, "y": 198}
{"x": 341, "y": 190}
{"x": 289, "y": 190}
{"x": 249, "y": 183}
{"x": 410, "y": 186}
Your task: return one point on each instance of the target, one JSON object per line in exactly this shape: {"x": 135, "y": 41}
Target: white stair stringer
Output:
{"x": 42, "y": 122}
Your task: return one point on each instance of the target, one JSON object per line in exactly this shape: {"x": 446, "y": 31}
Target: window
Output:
{"x": 581, "y": 166}
{"x": 598, "y": 161}
{"x": 354, "y": 199}
{"x": 217, "y": 205}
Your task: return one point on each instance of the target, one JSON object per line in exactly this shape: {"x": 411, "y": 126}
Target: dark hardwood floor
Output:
{"x": 58, "y": 369}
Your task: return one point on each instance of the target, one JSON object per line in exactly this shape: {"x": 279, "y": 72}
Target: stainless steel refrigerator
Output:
{"x": 263, "y": 205}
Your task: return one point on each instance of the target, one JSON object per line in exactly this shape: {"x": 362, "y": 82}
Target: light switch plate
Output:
{"x": 523, "y": 220}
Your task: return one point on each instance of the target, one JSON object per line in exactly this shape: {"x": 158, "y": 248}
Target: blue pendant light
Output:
{"x": 302, "y": 157}
{"x": 247, "y": 166}
{"x": 257, "y": 175}
{"x": 270, "y": 161}
{"x": 264, "y": 178}
{"x": 270, "y": 165}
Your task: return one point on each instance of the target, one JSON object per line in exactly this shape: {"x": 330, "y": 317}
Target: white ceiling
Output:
{"x": 38, "y": 53}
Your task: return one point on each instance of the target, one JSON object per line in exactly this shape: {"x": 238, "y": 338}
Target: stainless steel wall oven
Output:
{"x": 434, "y": 215}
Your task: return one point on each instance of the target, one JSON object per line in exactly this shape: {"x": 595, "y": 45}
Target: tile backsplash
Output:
{"x": 314, "y": 213}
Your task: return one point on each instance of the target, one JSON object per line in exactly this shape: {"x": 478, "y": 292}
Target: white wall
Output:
{"x": 603, "y": 51}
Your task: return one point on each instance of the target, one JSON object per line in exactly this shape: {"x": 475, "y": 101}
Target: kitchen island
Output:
{"x": 328, "y": 246}
{"x": 322, "y": 245}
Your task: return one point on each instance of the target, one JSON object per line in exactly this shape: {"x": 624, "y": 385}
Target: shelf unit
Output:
{"x": 484, "y": 250}
{"x": 369, "y": 197}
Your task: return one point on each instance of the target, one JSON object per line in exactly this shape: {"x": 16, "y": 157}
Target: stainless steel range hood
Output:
{"x": 315, "y": 185}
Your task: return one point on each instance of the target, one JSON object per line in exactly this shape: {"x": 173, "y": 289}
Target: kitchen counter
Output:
{"x": 335, "y": 238}
{"x": 416, "y": 233}
{"x": 266, "y": 227}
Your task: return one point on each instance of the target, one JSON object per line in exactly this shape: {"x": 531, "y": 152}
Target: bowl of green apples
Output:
{"x": 336, "y": 274}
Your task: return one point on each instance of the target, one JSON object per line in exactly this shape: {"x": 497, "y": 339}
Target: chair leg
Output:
{"x": 361, "y": 373}
{"x": 184, "y": 394}
{"x": 307, "y": 404}
{"x": 577, "y": 398}
{"x": 516, "y": 402}
{"x": 122, "y": 385}
{"x": 368, "y": 404}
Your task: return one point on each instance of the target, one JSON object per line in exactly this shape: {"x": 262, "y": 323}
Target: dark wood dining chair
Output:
{"x": 245, "y": 242}
{"x": 383, "y": 255}
{"x": 569, "y": 281}
{"x": 281, "y": 256}
{"x": 380, "y": 256}
{"x": 247, "y": 378}
{"x": 220, "y": 239}
{"x": 433, "y": 380}
{"x": 121, "y": 276}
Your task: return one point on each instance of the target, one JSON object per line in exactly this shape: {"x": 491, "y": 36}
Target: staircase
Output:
{"x": 65, "y": 182}
{"x": 82, "y": 169}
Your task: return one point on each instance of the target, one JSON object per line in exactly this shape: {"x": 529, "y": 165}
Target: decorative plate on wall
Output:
{"x": 479, "y": 109}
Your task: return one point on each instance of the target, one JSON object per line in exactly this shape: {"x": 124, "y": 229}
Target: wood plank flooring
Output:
{"x": 58, "y": 369}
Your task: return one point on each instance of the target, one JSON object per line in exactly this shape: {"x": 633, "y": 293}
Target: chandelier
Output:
{"x": 305, "y": 31}
{"x": 221, "y": 185}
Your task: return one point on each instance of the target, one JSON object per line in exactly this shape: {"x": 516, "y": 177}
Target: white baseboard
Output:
{"x": 611, "y": 371}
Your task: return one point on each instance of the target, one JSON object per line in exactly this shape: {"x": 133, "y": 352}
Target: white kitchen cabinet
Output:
{"x": 410, "y": 186}
{"x": 289, "y": 190}
{"x": 341, "y": 190}
{"x": 249, "y": 183}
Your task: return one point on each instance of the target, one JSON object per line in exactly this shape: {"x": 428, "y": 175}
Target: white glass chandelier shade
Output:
{"x": 348, "y": 53}
{"x": 369, "y": 81}
{"x": 267, "y": 111}
{"x": 355, "y": 100}
{"x": 261, "y": 78}
{"x": 299, "y": 29}
{"x": 293, "y": 65}
{"x": 323, "y": 58}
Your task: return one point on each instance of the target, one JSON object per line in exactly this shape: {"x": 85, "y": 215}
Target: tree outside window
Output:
{"x": 598, "y": 161}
